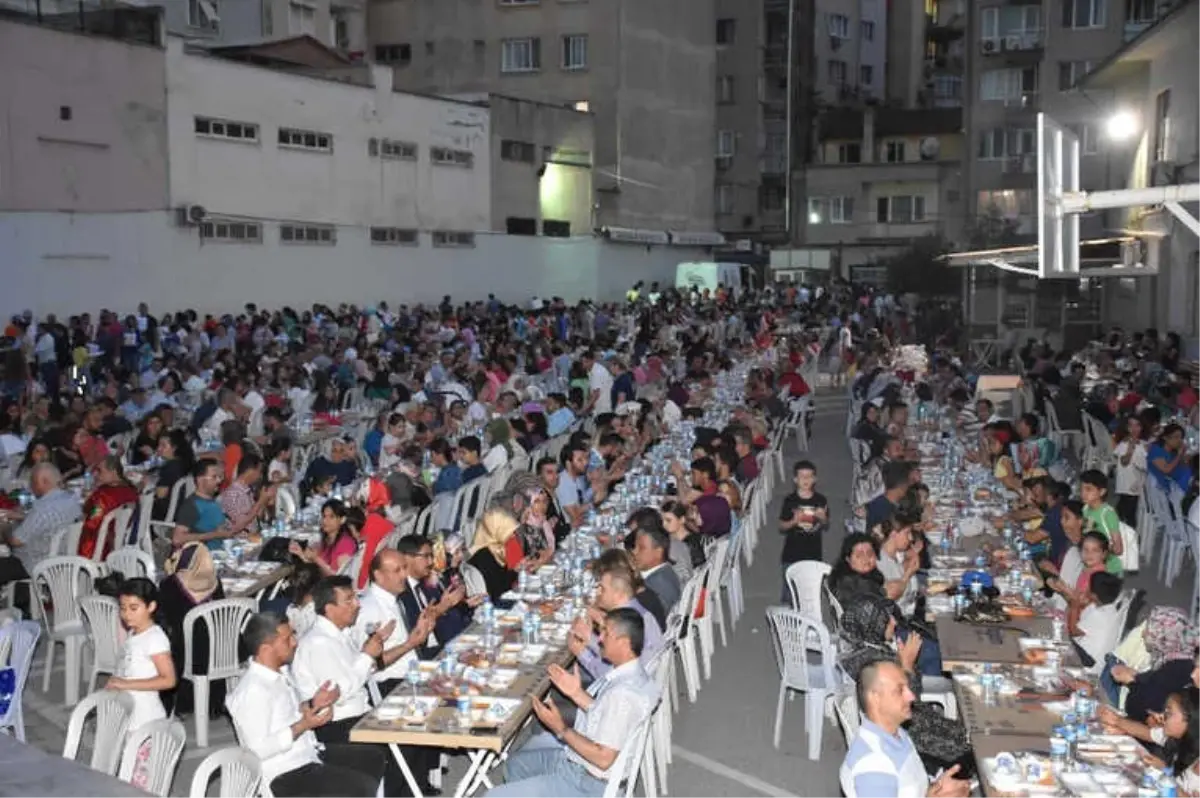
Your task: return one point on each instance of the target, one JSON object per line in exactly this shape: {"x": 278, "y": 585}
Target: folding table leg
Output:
{"x": 481, "y": 760}
{"x": 408, "y": 776}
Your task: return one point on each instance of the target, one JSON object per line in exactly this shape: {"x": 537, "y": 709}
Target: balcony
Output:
{"x": 773, "y": 163}
{"x": 1014, "y": 43}
{"x": 1134, "y": 27}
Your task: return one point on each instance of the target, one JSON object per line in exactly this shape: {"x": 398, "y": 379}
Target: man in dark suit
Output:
{"x": 449, "y": 607}
{"x": 650, "y": 554}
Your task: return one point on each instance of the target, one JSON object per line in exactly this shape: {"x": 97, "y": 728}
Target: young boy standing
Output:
{"x": 802, "y": 521}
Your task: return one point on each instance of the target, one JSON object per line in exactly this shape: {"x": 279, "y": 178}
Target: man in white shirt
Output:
{"x": 273, "y": 722}
{"x": 379, "y": 606}
{"x": 600, "y": 383}
{"x": 577, "y": 760}
{"x": 1097, "y": 631}
{"x": 331, "y": 652}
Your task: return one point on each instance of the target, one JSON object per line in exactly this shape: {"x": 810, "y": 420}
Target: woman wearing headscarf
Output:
{"x": 498, "y": 434}
{"x": 1170, "y": 638}
{"x": 488, "y": 550}
{"x": 532, "y": 545}
{"x": 191, "y": 581}
{"x": 868, "y": 634}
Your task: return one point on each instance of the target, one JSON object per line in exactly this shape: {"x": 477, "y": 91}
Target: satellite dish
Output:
{"x": 929, "y": 148}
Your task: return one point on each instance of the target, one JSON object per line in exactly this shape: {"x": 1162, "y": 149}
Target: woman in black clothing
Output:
{"x": 178, "y": 460}
{"x": 145, "y": 445}
{"x": 497, "y": 526}
{"x": 855, "y": 573}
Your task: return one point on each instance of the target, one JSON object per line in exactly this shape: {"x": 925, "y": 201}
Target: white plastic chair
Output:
{"x": 689, "y": 630}
{"x": 473, "y": 580}
{"x": 239, "y": 772}
{"x": 804, "y": 580}
{"x": 145, "y": 532}
{"x": 20, "y": 639}
{"x": 845, "y": 706}
{"x": 713, "y": 613}
{"x": 66, "y": 579}
{"x": 167, "y": 738}
{"x": 132, "y": 561}
{"x": 624, "y": 770}
{"x": 113, "y": 710}
{"x": 225, "y": 619}
{"x": 658, "y": 737}
{"x": 182, "y": 488}
{"x": 114, "y": 527}
{"x": 65, "y": 540}
{"x": 102, "y": 620}
{"x": 287, "y": 501}
{"x": 797, "y": 638}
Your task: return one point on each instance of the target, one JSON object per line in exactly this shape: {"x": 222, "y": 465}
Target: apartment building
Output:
{"x": 646, "y": 71}
{"x": 1025, "y": 56}
{"x": 925, "y": 54}
{"x": 849, "y": 50}
{"x": 881, "y": 178}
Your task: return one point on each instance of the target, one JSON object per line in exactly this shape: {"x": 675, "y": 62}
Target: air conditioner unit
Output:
{"x": 1029, "y": 163}
{"x": 989, "y": 45}
{"x": 724, "y": 161}
{"x": 1012, "y": 43}
{"x": 190, "y": 215}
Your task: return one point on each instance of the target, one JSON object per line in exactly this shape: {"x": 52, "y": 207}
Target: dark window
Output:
{"x": 393, "y": 53}
{"x": 556, "y": 229}
{"x": 520, "y": 226}
{"x": 64, "y": 113}
{"x": 726, "y": 30}
{"x": 512, "y": 150}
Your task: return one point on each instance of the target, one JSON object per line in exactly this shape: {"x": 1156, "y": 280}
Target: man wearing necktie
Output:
{"x": 577, "y": 760}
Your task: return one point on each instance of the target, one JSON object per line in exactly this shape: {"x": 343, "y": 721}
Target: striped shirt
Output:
{"x": 47, "y": 515}
{"x": 879, "y": 765}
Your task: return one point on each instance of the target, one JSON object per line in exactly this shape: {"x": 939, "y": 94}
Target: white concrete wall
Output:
{"x": 70, "y": 263}
{"x": 347, "y": 186}
{"x": 874, "y": 52}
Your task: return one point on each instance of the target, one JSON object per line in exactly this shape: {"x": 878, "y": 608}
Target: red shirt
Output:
{"x": 795, "y": 384}
{"x": 376, "y": 528}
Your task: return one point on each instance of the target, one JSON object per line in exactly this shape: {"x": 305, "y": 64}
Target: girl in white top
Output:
{"x": 392, "y": 445}
{"x": 145, "y": 667}
{"x": 1130, "y": 455}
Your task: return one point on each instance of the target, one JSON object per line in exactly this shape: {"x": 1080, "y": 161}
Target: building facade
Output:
{"x": 84, "y": 133}
{"x": 646, "y": 71}
{"x": 883, "y": 178}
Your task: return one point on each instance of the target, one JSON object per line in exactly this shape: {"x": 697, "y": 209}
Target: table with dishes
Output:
{"x": 1017, "y": 681}
{"x": 478, "y": 694}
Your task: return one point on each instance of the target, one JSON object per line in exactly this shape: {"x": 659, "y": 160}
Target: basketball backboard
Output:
{"x": 1057, "y": 175}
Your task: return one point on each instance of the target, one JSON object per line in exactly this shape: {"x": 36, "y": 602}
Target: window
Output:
{"x": 400, "y": 54}
{"x": 391, "y": 149}
{"x": 725, "y": 89}
{"x": 203, "y": 14}
{"x": 229, "y": 232}
{"x": 1084, "y": 13}
{"x": 849, "y": 153}
{"x": 893, "y": 151}
{"x": 770, "y": 198}
{"x": 394, "y": 236}
{"x": 726, "y": 30}
{"x": 302, "y": 18}
{"x": 341, "y": 32}
{"x": 1009, "y": 203}
{"x": 64, "y": 113}
{"x": 520, "y": 226}
{"x": 1089, "y": 143}
{"x": 841, "y": 210}
{"x": 574, "y": 51}
{"x": 226, "y": 129}
{"x": 947, "y": 87}
{"x": 999, "y": 22}
{"x": 724, "y": 198}
{"x": 1000, "y": 142}
{"x": 726, "y": 141}
{"x": 866, "y": 29}
{"x": 837, "y": 72}
{"x": 1008, "y": 84}
{"x": 1162, "y": 127}
{"x": 839, "y": 26}
{"x": 293, "y": 138}
{"x": 517, "y": 2}
{"x": 511, "y": 150}
{"x": 430, "y": 47}
{"x": 323, "y": 234}
{"x": 555, "y": 228}
{"x": 899, "y": 210}
{"x": 1071, "y": 72}
{"x": 816, "y": 210}
{"x": 583, "y": 106}
{"x": 866, "y": 75}
{"x": 445, "y": 156}
{"x": 520, "y": 55}
{"x": 445, "y": 238}
{"x": 1140, "y": 11}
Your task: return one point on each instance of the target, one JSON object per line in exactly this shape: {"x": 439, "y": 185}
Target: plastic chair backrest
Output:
{"x": 473, "y": 580}
{"x": 181, "y": 488}
{"x": 20, "y": 639}
{"x": 804, "y": 580}
{"x": 239, "y": 772}
{"x": 114, "y": 710}
{"x": 225, "y": 619}
{"x": 132, "y": 561}
{"x": 425, "y": 520}
{"x": 625, "y": 769}
{"x": 102, "y": 618}
{"x": 66, "y": 579}
{"x": 167, "y": 738}
{"x": 795, "y": 636}
{"x": 65, "y": 540}
{"x": 287, "y": 501}
{"x": 845, "y": 704}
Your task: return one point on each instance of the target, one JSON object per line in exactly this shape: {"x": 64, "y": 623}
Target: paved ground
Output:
{"x": 723, "y": 742}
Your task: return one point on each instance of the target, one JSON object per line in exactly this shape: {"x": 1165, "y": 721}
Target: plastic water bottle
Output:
{"x": 1167, "y": 788}
{"x": 988, "y": 682}
{"x": 414, "y": 671}
{"x": 527, "y": 629}
{"x": 489, "y": 613}
{"x": 1059, "y": 750}
{"x": 535, "y": 628}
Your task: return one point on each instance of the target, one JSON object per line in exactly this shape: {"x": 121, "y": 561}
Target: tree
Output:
{"x": 992, "y": 229}
{"x": 920, "y": 270}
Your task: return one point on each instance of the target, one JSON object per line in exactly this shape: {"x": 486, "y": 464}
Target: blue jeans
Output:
{"x": 541, "y": 770}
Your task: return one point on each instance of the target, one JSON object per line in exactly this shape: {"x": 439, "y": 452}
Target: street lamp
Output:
{"x": 1122, "y": 125}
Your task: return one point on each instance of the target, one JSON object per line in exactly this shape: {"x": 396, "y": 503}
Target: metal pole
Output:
{"x": 1082, "y": 201}
{"x": 787, "y": 189}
